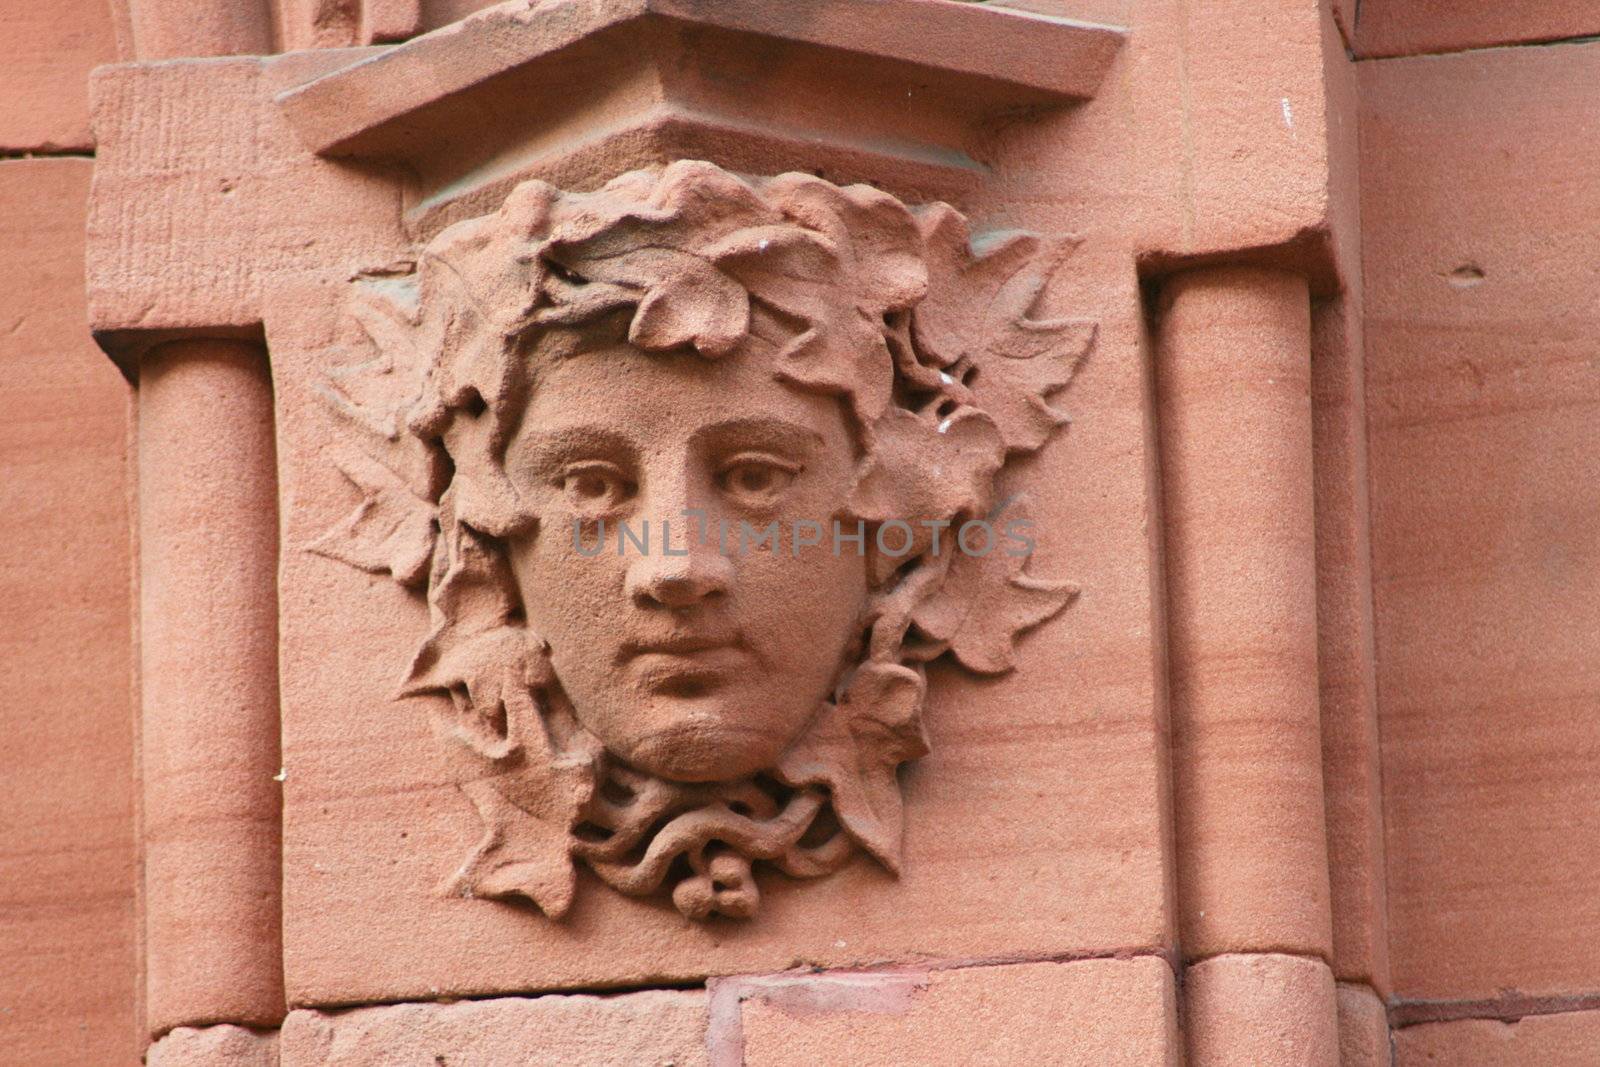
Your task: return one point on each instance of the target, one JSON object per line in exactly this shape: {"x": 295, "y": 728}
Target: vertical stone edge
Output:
{"x": 209, "y": 740}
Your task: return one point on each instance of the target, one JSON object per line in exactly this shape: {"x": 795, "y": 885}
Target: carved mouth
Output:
{"x": 685, "y": 645}
{"x": 688, "y": 667}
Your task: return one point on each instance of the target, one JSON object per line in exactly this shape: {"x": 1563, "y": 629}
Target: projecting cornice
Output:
{"x": 891, "y": 91}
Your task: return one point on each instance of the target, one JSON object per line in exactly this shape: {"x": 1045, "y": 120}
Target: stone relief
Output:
{"x": 696, "y": 474}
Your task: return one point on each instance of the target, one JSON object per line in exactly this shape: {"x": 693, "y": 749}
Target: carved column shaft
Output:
{"x": 166, "y": 30}
{"x": 1234, "y": 407}
{"x": 208, "y": 621}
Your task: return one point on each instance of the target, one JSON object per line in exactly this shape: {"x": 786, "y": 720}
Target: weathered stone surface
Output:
{"x": 169, "y": 29}
{"x": 1363, "y": 1028}
{"x": 1410, "y": 27}
{"x": 703, "y": 702}
{"x": 1260, "y": 1009}
{"x": 202, "y": 199}
{"x": 1236, "y": 132}
{"x": 214, "y": 1046}
{"x": 652, "y": 1029}
{"x": 67, "y": 964}
{"x": 1094, "y": 1013}
{"x": 1566, "y": 1039}
{"x": 372, "y": 813}
{"x": 1483, "y": 398}
{"x": 46, "y": 52}
{"x": 566, "y": 90}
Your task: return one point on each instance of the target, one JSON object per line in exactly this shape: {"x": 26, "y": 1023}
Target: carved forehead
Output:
{"x": 689, "y": 258}
{"x": 639, "y": 402}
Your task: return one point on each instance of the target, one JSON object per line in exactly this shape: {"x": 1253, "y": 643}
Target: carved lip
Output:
{"x": 686, "y": 665}
{"x": 683, "y": 645}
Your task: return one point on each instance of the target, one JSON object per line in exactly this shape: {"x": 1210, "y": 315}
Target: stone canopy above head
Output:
{"x": 576, "y": 91}
{"x": 684, "y": 346}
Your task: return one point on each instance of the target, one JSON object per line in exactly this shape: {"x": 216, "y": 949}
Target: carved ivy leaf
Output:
{"x": 482, "y": 674}
{"x": 923, "y": 467}
{"x": 854, "y": 750}
{"x": 683, "y": 299}
{"x": 988, "y": 601}
{"x": 834, "y": 349}
{"x": 377, "y": 393}
{"x": 978, "y": 314}
{"x": 875, "y": 230}
{"x": 1015, "y": 388}
{"x": 391, "y": 531}
{"x": 696, "y": 307}
{"x": 520, "y": 855}
{"x": 528, "y": 815}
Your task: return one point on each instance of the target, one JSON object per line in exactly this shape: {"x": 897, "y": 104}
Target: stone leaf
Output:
{"x": 378, "y": 392}
{"x": 978, "y": 313}
{"x": 684, "y": 301}
{"x": 520, "y": 855}
{"x": 987, "y": 601}
{"x": 923, "y": 467}
{"x": 391, "y": 531}
{"x": 834, "y": 349}
{"x": 875, "y": 230}
{"x": 854, "y": 750}
{"x": 482, "y": 674}
{"x": 528, "y": 812}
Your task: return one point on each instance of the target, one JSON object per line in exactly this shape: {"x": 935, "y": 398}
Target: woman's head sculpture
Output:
{"x": 697, "y": 474}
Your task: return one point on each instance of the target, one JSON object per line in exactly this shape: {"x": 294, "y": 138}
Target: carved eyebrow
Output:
{"x": 760, "y": 431}
{"x": 545, "y": 448}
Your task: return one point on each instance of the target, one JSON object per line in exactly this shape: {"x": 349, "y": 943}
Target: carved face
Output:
{"x": 690, "y": 659}
{"x": 583, "y": 414}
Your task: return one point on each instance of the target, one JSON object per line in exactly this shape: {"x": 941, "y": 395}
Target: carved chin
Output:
{"x": 701, "y": 744}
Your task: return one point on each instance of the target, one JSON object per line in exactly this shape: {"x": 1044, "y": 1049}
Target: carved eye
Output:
{"x": 594, "y": 489}
{"x": 756, "y": 479}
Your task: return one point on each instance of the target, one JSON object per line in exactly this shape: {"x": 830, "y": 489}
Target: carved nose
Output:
{"x": 678, "y": 581}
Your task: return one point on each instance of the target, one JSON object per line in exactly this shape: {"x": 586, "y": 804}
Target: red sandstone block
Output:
{"x": 46, "y": 52}
{"x": 1409, "y": 27}
{"x": 1262, "y": 1010}
{"x": 1482, "y": 172}
{"x": 1234, "y": 124}
{"x": 653, "y": 1028}
{"x": 1569, "y": 1039}
{"x": 67, "y": 967}
{"x": 1094, "y": 1013}
{"x": 1363, "y": 1028}
{"x": 214, "y": 1046}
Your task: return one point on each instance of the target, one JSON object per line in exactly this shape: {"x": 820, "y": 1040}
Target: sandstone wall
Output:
{"x": 1376, "y": 843}
{"x": 68, "y": 976}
